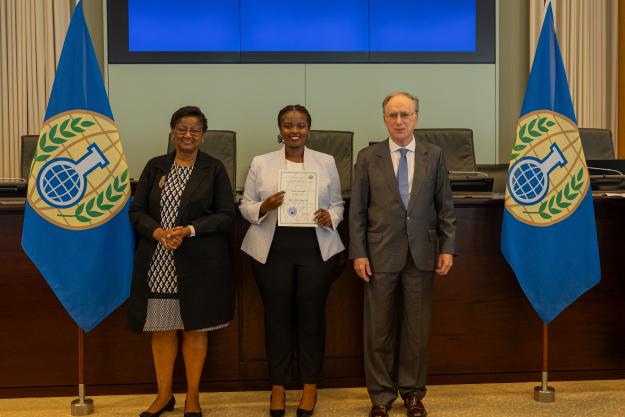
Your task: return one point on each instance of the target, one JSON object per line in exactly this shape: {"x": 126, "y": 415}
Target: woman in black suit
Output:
{"x": 182, "y": 281}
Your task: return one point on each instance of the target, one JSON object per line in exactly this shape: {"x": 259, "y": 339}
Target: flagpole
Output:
{"x": 82, "y": 406}
{"x": 544, "y": 393}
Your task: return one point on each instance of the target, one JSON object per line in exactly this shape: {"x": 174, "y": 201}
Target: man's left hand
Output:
{"x": 444, "y": 263}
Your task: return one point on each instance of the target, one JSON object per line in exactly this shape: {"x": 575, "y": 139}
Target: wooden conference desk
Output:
{"x": 484, "y": 330}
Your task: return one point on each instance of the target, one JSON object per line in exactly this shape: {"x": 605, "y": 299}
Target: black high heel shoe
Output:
{"x": 301, "y": 412}
{"x": 191, "y": 413}
{"x": 279, "y": 412}
{"x": 168, "y": 407}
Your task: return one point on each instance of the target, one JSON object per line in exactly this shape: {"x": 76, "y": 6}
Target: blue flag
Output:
{"x": 76, "y": 226}
{"x": 548, "y": 235}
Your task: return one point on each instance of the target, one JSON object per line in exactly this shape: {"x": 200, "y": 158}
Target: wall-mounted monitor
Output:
{"x": 267, "y": 31}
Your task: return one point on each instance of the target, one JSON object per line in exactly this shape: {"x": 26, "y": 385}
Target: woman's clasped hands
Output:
{"x": 171, "y": 238}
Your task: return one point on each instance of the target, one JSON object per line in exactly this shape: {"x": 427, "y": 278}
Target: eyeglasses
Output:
{"x": 393, "y": 116}
{"x": 182, "y": 130}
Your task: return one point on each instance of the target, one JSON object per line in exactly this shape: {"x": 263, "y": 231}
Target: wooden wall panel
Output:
{"x": 484, "y": 329}
{"x": 621, "y": 79}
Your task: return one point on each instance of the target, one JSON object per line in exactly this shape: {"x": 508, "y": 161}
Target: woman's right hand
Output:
{"x": 271, "y": 203}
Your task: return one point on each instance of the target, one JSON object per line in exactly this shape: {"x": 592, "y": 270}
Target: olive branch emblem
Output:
{"x": 67, "y": 129}
{"x": 555, "y": 204}
{"x": 535, "y": 128}
{"x": 85, "y": 212}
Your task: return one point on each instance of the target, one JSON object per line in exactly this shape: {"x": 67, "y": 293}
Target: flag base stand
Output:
{"x": 82, "y": 406}
{"x": 82, "y": 409}
{"x": 544, "y": 394}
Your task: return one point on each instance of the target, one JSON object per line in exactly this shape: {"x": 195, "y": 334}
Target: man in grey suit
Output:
{"x": 402, "y": 230}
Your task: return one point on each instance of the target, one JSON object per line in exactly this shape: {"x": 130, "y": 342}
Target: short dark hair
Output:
{"x": 294, "y": 107}
{"x": 188, "y": 111}
{"x": 415, "y": 99}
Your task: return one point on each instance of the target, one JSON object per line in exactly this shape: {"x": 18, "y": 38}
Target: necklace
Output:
{"x": 184, "y": 162}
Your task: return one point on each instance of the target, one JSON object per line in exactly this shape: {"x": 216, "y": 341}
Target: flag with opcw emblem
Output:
{"x": 548, "y": 235}
{"x": 76, "y": 225}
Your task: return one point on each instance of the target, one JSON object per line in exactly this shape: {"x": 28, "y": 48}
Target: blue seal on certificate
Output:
{"x": 292, "y": 211}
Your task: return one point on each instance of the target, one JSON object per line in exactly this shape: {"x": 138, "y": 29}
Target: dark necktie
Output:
{"x": 402, "y": 177}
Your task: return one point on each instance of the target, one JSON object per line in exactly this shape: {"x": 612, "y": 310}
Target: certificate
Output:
{"x": 300, "y": 198}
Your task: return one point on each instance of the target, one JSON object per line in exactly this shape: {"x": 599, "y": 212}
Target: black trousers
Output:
{"x": 294, "y": 285}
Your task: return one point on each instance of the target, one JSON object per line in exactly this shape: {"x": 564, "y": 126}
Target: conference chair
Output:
{"x": 597, "y": 143}
{"x": 499, "y": 172}
{"x": 457, "y": 145}
{"x": 220, "y": 144}
{"x": 29, "y": 143}
{"x": 339, "y": 144}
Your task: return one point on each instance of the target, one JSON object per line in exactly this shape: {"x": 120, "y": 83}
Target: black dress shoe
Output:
{"x": 278, "y": 412}
{"x": 379, "y": 411}
{"x": 414, "y": 407}
{"x": 301, "y": 412}
{"x": 168, "y": 407}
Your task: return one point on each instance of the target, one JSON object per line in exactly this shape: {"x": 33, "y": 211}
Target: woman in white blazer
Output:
{"x": 293, "y": 266}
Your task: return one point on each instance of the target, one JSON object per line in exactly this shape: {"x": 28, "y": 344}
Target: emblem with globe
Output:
{"x": 79, "y": 173}
{"x": 528, "y": 180}
{"x": 548, "y": 176}
{"x": 62, "y": 182}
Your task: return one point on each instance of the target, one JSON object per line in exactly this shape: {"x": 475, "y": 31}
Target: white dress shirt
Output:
{"x": 396, "y": 155}
{"x": 294, "y": 166}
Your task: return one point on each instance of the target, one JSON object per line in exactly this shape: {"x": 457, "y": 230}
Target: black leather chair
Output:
{"x": 29, "y": 143}
{"x": 339, "y": 144}
{"x": 220, "y": 144}
{"x": 597, "y": 143}
{"x": 456, "y": 143}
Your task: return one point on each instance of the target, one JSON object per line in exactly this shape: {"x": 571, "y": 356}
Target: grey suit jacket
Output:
{"x": 381, "y": 229}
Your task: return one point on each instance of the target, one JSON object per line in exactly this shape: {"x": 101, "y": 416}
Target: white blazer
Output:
{"x": 262, "y": 181}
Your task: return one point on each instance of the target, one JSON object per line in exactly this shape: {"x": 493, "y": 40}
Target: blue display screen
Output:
{"x": 168, "y": 25}
{"x": 309, "y": 25}
{"x": 302, "y": 26}
{"x": 423, "y": 26}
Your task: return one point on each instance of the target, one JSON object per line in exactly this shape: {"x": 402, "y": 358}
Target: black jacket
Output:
{"x": 205, "y": 286}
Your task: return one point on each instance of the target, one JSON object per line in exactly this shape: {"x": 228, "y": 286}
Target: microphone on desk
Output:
{"x": 607, "y": 179}
{"x": 13, "y": 189}
{"x": 11, "y": 184}
{"x": 614, "y": 171}
{"x": 474, "y": 173}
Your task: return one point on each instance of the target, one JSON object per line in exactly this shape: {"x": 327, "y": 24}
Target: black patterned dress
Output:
{"x": 163, "y": 306}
